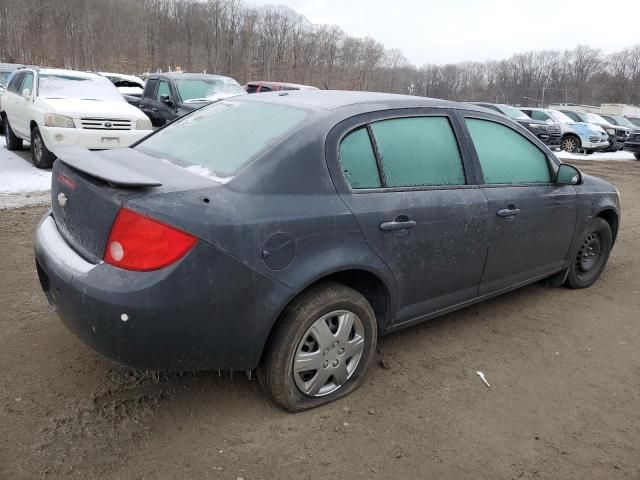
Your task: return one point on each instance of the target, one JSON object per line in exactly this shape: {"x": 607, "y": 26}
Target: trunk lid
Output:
{"x": 89, "y": 188}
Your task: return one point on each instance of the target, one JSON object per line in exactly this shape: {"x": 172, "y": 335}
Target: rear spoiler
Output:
{"x": 97, "y": 165}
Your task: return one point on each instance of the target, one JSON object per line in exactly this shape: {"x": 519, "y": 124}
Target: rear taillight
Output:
{"x": 141, "y": 243}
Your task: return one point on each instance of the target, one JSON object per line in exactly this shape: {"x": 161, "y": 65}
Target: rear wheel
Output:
{"x": 40, "y": 154}
{"x": 320, "y": 349}
{"x": 13, "y": 142}
{"x": 570, "y": 144}
{"x": 591, "y": 256}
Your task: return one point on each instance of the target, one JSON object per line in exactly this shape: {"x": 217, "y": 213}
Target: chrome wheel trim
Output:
{"x": 37, "y": 147}
{"x": 328, "y": 353}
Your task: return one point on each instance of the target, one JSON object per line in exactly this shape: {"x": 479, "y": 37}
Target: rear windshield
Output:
{"x": 207, "y": 88}
{"x": 223, "y": 136}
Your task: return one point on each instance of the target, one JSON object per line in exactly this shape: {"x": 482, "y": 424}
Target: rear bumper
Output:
{"x": 207, "y": 311}
{"x": 90, "y": 139}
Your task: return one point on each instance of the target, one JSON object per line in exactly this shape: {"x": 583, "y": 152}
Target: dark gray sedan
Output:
{"x": 286, "y": 231}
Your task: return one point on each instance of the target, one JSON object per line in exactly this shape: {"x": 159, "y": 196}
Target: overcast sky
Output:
{"x": 443, "y": 31}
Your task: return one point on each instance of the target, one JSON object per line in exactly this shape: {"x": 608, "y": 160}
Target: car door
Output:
{"x": 413, "y": 192}
{"x": 532, "y": 220}
{"x": 10, "y": 97}
{"x": 148, "y": 97}
{"x": 23, "y": 107}
{"x": 166, "y": 109}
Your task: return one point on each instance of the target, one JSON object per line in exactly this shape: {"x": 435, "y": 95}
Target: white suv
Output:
{"x": 51, "y": 108}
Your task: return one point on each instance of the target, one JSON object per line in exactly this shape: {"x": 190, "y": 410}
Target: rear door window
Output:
{"x": 418, "y": 151}
{"x": 150, "y": 88}
{"x": 359, "y": 161}
{"x": 506, "y": 157}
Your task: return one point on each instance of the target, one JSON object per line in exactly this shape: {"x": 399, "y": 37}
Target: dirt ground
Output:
{"x": 564, "y": 401}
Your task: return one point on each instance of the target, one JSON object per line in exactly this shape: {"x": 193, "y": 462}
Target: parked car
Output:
{"x": 634, "y": 120}
{"x": 51, "y": 108}
{"x": 617, "y": 135}
{"x": 227, "y": 242}
{"x": 6, "y": 69}
{"x": 621, "y": 121}
{"x": 262, "y": 86}
{"x": 576, "y": 136}
{"x": 130, "y": 86}
{"x": 633, "y": 144}
{"x": 168, "y": 96}
{"x": 549, "y": 132}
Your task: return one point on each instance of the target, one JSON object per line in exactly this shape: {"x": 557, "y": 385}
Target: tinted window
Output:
{"x": 163, "y": 89}
{"x": 16, "y": 82}
{"x": 252, "y": 88}
{"x": 27, "y": 82}
{"x": 265, "y": 89}
{"x": 358, "y": 160}
{"x": 418, "y": 151}
{"x": 506, "y": 156}
{"x": 150, "y": 89}
{"x": 214, "y": 140}
{"x": 536, "y": 115}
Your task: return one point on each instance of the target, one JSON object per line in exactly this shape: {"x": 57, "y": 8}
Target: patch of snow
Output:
{"x": 603, "y": 156}
{"x": 21, "y": 183}
{"x": 205, "y": 172}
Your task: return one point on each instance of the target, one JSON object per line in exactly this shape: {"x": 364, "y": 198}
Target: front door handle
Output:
{"x": 508, "y": 212}
{"x": 397, "y": 224}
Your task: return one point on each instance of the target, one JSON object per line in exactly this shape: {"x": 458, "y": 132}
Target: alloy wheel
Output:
{"x": 328, "y": 353}
{"x": 37, "y": 147}
{"x": 569, "y": 145}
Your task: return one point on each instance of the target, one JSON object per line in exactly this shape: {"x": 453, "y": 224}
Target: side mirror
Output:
{"x": 568, "y": 175}
{"x": 166, "y": 100}
{"x": 26, "y": 93}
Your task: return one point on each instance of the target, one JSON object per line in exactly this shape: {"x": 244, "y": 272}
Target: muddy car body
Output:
{"x": 304, "y": 222}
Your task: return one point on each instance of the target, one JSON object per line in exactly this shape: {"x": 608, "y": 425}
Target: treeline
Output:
{"x": 276, "y": 43}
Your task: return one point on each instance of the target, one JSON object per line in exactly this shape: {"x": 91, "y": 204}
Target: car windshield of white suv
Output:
{"x": 204, "y": 89}
{"x": 514, "y": 113}
{"x": 61, "y": 85}
{"x": 560, "y": 117}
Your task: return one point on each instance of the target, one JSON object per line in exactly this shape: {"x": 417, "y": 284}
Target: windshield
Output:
{"x": 593, "y": 118}
{"x": 514, "y": 113}
{"x": 622, "y": 121}
{"x": 560, "y": 117}
{"x": 635, "y": 121}
{"x": 214, "y": 139}
{"x": 208, "y": 88}
{"x": 60, "y": 85}
{"x": 4, "y": 77}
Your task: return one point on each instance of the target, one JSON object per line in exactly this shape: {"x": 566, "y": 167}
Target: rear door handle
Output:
{"x": 508, "y": 212}
{"x": 397, "y": 225}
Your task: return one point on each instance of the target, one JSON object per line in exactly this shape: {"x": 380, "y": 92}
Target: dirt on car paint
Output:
{"x": 564, "y": 400}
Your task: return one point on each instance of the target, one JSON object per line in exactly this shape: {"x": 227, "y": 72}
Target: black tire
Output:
{"x": 588, "y": 151}
{"x": 40, "y": 154}
{"x": 13, "y": 142}
{"x": 637, "y": 155}
{"x": 291, "y": 335}
{"x": 590, "y": 258}
{"x": 570, "y": 143}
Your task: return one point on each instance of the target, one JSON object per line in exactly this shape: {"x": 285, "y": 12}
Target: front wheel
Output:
{"x": 570, "y": 144}
{"x": 637, "y": 155}
{"x": 592, "y": 254}
{"x": 40, "y": 154}
{"x": 320, "y": 349}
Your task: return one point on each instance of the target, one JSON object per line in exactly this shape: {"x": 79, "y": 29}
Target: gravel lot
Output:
{"x": 564, "y": 401}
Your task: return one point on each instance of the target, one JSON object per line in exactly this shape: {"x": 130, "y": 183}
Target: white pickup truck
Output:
{"x": 52, "y": 107}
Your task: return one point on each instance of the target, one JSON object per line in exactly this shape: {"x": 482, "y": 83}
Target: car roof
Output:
{"x": 281, "y": 84}
{"x": 9, "y": 67}
{"x": 71, "y": 73}
{"x": 335, "y": 99}
{"x": 186, "y": 75}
